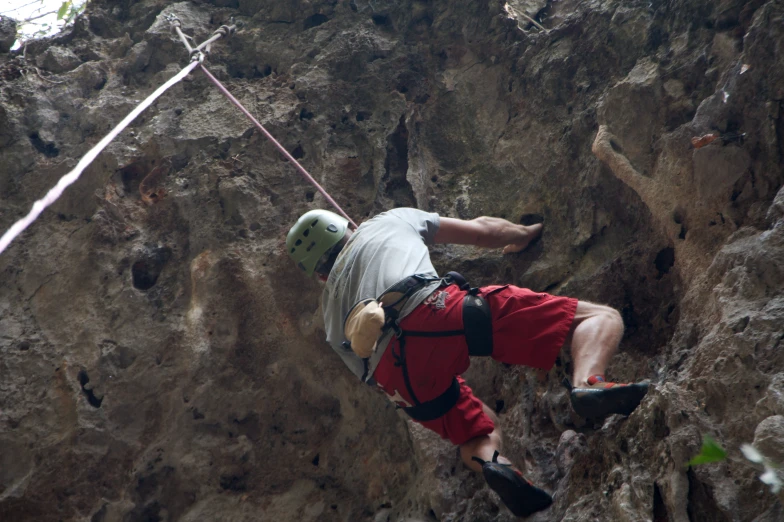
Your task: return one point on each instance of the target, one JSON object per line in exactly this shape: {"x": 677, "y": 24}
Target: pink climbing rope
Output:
{"x": 275, "y": 142}
{"x": 56, "y": 191}
{"x": 196, "y": 59}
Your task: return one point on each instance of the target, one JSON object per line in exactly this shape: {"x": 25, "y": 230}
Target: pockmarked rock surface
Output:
{"x": 161, "y": 358}
{"x": 7, "y": 34}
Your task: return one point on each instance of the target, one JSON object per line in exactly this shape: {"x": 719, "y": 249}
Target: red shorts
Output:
{"x": 529, "y": 328}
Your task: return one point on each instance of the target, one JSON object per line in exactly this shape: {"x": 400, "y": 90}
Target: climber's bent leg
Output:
{"x": 469, "y": 419}
{"x": 482, "y": 454}
{"x": 594, "y": 338}
{"x": 483, "y": 446}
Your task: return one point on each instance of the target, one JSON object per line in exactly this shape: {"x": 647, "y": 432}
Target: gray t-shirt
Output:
{"x": 381, "y": 252}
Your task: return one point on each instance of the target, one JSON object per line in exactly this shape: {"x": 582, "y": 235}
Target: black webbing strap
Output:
{"x": 406, "y": 288}
{"x": 458, "y": 279}
{"x": 477, "y": 327}
{"x": 434, "y": 408}
{"x": 437, "y": 333}
{"x": 477, "y": 320}
{"x": 438, "y": 407}
{"x": 478, "y": 324}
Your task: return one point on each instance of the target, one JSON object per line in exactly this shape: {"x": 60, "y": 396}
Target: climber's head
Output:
{"x": 315, "y": 241}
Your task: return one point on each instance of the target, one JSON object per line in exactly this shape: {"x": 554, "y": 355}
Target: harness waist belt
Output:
{"x": 394, "y": 298}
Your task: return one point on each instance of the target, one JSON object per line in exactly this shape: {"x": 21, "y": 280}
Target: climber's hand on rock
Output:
{"x": 528, "y": 234}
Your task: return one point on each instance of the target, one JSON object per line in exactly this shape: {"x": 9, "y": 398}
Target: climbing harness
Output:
{"x": 197, "y": 55}
{"x": 477, "y": 330}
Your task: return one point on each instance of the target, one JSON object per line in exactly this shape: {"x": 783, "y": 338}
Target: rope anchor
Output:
{"x": 196, "y": 53}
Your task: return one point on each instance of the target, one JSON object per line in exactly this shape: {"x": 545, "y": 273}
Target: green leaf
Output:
{"x": 710, "y": 452}
{"x": 63, "y": 9}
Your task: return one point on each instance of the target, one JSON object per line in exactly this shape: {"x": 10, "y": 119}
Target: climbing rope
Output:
{"x": 197, "y": 57}
{"x": 275, "y": 142}
{"x": 56, "y": 191}
{"x": 224, "y": 32}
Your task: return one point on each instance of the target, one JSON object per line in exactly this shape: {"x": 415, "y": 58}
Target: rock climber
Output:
{"x": 398, "y": 325}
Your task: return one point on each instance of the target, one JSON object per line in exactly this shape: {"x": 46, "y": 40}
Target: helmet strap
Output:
{"x": 327, "y": 261}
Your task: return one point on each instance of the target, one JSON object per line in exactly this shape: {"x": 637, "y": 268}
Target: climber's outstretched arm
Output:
{"x": 488, "y": 232}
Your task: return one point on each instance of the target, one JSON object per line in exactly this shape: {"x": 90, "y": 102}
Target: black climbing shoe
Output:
{"x": 602, "y": 398}
{"x": 520, "y": 496}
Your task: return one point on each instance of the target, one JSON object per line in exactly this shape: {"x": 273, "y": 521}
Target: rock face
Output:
{"x": 161, "y": 359}
{"x": 7, "y": 33}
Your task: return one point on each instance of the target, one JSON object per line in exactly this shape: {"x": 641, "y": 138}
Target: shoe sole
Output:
{"x": 599, "y": 402}
{"x": 519, "y": 496}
